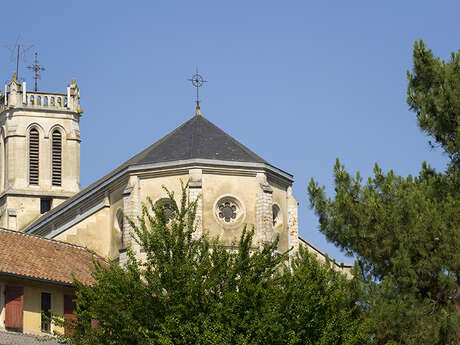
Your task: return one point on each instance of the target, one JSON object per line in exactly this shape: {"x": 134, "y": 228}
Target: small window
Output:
{"x": 277, "y": 216}
{"x": 46, "y": 312}
{"x": 33, "y": 156}
{"x": 119, "y": 225}
{"x": 45, "y": 205}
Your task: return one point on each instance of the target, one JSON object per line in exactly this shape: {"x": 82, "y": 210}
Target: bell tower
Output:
{"x": 39, "y": 151}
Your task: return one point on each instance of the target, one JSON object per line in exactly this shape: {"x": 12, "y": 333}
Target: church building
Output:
{"x": 40, "y": 179}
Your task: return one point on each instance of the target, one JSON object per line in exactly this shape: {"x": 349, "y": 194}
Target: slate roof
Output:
{"x": 28, "y": 256}
{"x": 197, "y": 138}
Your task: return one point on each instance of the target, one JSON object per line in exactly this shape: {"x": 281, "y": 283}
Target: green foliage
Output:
{"x": 405, "y": 231}
{"x": 194, "y": 291}
{"x": 434, "y": 94}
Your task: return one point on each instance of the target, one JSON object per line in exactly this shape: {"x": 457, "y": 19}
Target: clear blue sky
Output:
{"x": 300, "y": 83}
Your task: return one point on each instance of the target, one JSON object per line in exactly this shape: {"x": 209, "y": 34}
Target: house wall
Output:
{"x": 32, "y": 302}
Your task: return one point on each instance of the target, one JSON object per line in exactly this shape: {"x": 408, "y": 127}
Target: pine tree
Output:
{"x": 405, "y": 231}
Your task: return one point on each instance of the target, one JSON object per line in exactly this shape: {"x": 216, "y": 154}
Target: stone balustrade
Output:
{"x": 45, "y": 99}
{"x": 16, "y": 95}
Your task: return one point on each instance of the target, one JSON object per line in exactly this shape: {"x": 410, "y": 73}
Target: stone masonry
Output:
{"x": 196, "y": 193}
{"x": 264, "y": 211}
{"x": 22, "y": 111}
{"x": 130, "y": 209}
{"x": 293, "y": 225}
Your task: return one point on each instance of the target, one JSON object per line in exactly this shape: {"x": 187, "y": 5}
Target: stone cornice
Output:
{"x": 45, "y": 193}
{"x": 146, "y": 170}
{"x": 40, "y": 110}
{"x": 230, "y": 166}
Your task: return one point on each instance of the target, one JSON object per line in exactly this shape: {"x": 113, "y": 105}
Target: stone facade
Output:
{"x": 234, "y": 188}
{"x": 264, "y": 213}
{"x": 196, "y": 194}
{"x": 93, "y": 219}
{"x": 131, "y": 209}
{"x": 293, "y": 224}
{"x": 55, "y": 118}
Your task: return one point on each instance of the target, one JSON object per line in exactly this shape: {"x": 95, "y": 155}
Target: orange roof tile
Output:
{"x": 39, "y": 258}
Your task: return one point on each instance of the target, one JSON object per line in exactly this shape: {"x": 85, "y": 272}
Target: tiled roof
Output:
{"x": 10, "y": 338}
{"x": 35, "y": 257}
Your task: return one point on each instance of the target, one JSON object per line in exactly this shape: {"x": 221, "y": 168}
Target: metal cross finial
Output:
{"x": 197, "y": 81}
{"x": 36, "y": 68}
{"x": 18, "y": 51}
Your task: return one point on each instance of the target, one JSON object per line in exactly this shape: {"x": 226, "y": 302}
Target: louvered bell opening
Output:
{"x": 57, "y": 159}
{"x": 33, "y": 156}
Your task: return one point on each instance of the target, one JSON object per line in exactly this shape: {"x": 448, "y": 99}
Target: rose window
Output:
{"x": 227, "y": 211}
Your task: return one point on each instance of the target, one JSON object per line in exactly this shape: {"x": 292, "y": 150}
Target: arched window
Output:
{"x": 166, "y": 203}
{"x": 119, "y": 226}
{"x": 56, "y": 159}
{"x": 33, "y": 156}
{"x": 277, "y": 216}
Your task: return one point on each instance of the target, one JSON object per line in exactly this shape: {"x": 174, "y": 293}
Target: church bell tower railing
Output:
{"x": 16, "y": 96}
{"x": 46, "y": 100}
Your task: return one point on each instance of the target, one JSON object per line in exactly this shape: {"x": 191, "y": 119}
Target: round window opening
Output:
{"x": 229, "y": 211}
{"x": 166, "y": 203}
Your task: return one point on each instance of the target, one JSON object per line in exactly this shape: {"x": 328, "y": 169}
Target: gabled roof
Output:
{"x": 34, "y": 257}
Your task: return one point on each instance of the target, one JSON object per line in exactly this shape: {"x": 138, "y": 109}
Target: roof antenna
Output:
{"x": 37, "y": 69}
{"x": 18, "y": 52}
{"x": 197, "y": 81}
